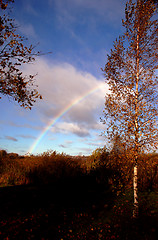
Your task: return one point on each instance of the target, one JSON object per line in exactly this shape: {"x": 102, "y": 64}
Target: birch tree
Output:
{"x": 130, "y": 71}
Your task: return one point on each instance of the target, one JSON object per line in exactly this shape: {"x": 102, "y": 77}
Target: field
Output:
{"x": 55, "y": 196}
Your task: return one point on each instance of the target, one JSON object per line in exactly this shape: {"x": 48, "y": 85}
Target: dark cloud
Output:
{"x": 27, "y": 136}
{"x": 11, "y": 138}
{"x": 63, "y": 146}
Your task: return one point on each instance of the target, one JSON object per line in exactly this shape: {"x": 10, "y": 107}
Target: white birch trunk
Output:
{"x": 135, "y": 177}
{"x": 135, "y": 189}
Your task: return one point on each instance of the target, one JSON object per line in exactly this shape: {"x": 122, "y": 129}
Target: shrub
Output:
{"x": 102, "y": 168}
{"x": 148, "y": 171}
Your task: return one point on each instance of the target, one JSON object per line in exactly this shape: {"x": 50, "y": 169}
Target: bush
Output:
{"x": 13, "y": 155}
{"x": 3, "y": 153}
{"x": 101, "y": 168}
{"x": 148, "y": 171}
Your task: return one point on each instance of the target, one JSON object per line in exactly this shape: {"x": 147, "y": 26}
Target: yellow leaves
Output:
{"x": 134, "y": 78}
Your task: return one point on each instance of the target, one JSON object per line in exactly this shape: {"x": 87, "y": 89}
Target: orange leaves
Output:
{"x": 12, "y": 55}
{"x": 45, "y": 168}
{"x": 131, "y": 107}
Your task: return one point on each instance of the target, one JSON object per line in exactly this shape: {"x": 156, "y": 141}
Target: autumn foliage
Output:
{"x": 58, "y": 196}
{"x": 131, "y": 73}
{"x": 117, "y": 165}
{"x": 102, "y": 168}
{"x": 14, "y": 52}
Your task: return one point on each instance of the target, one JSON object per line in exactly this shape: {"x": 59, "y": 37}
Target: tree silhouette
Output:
{"x": 131, "y": 106}
{"x": 14, "y": 52}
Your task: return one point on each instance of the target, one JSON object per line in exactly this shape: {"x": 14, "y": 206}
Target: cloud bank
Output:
{"x": 65, "y": 87}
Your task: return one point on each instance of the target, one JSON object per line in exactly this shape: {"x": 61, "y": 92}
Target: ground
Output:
{"x": 63, "y": 211}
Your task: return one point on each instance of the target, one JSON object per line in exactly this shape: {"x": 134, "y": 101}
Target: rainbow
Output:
{"x": 58, "y": 116}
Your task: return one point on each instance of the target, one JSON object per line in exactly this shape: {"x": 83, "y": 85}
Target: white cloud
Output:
{"x": 28, "y": 30}
{"x": 29, "y": 8}
{"x": 67, "y": 128}
{"x": 109, "y": 11}
{"x": 67, "y": 90}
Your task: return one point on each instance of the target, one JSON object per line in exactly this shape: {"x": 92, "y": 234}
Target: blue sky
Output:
{"x": 80, "y": 34}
